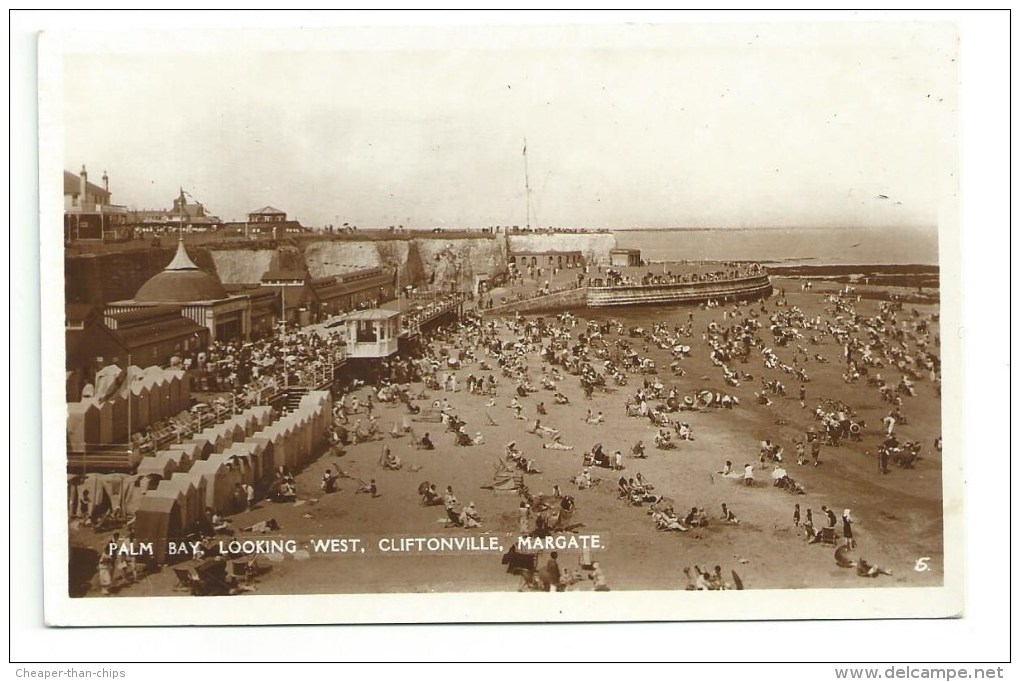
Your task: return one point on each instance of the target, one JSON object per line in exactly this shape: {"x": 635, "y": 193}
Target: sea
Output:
{"x": 787, "y": 246}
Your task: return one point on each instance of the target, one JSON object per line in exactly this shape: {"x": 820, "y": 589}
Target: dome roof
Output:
{"x": 180, "y": 282}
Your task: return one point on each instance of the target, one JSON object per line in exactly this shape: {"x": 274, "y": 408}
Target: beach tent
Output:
{"x": 159, "y": 405}
{"x": 277, "y": 436}
{"x": 218, "y": 485}
{"x": 103, "y": 415}
{"x": 234, "y": 428}
{"x": 247, "y": 421}
{"x": 256, "y": 457}
{"x": 157, "y": 521}
{"x": 199, "y": 446}
{"x": 192, "y": 453}
{"x": 240, "y": 455}
{"x": 180, "y": 459}
{"x": 263, "y": 415}
{"x": 216, "y": 439}
{"x": 121, "y": 492}
{"x": 174, "y": 389}
{"x": 138, "y": 398}
{"x": 194, "y": 495}
{"x": 265, "y": 464}
{"x": 184, "y": 504}
{"x": 82, "y": 427}
{"x": 234, "y": 475}
{"x": 108, "y": 381}
{"x": 158, "y": 464}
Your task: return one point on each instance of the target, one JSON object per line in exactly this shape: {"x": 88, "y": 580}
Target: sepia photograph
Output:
{"x": 427, "y": 322}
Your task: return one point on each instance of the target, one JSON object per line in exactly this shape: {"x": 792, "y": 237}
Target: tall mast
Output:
{"x": 527, "y": 187}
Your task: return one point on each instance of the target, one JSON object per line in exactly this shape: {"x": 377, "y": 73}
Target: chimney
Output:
{"x": 106, "y": 181}
{"x": 83, "y": 186}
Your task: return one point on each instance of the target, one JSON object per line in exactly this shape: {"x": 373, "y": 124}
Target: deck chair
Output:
{"x": 244, "y": 568}
{"x": 187, "y": 579}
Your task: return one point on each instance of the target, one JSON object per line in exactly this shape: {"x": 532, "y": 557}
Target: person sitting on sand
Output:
{"x": 728, "y": 516}
{"x": 583, "y": 480}
{"x": 369, "y": 488}
{"x": 391, "y": 462}
{"x": 328, "y": 484}
{"x": 286, "y": 492}
{"x": 638, "y": 451}
{"x": 540, "y": 409}
{"x": 560, "y": 399}
{"x": 684, "y": 431}
{"x": 426, "y": 443}
{"x": 867, "y": 570}
{"x": 449, "y": 499}
{"x": 430, "y": 497}
{"x": 668, "y": 522}
{"x": 748, "y": 475}
{"x": 469, "y": 517}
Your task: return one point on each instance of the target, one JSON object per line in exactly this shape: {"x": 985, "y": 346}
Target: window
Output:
{"x": 366, "y": 332}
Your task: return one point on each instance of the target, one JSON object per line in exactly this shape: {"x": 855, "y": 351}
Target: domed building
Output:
{"x": 181, "y": 282}
{"x": 199, "y": 294}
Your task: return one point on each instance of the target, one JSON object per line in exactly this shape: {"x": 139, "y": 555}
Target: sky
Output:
{"x": 626, "y": 127}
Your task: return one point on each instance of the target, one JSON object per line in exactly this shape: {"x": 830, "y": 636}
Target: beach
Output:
{"x": 897, "y": 516}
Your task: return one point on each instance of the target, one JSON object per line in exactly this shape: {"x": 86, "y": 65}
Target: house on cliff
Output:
{"x": 88, "y": 213}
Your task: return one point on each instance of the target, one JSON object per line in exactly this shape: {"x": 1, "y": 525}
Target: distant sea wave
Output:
{"x": 789, "y": 246}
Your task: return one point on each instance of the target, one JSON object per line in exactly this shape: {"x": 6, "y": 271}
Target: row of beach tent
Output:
{"x": 211, "y": 470}
{"x": 132, "y": 398}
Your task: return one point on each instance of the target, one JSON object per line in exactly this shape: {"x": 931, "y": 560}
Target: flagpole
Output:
{"x": 527, "y": 186}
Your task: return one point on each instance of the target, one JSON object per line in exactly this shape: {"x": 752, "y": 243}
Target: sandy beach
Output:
{"x": 897, "y": 516}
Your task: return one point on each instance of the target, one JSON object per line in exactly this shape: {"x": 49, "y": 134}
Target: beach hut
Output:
{"x": 158, "y": 521}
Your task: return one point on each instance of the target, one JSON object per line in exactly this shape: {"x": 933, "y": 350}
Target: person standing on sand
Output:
{"x": 830, "y": 517}
{"x": 848, "y": 533}
{"x": 803, "y": 397}
{"x": 550, "y": 574}
{"x": 796, "y": 515}
{"x": 816, "y": 448}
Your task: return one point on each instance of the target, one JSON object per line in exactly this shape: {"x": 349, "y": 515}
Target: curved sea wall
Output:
{"x": 759, "y": 286}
